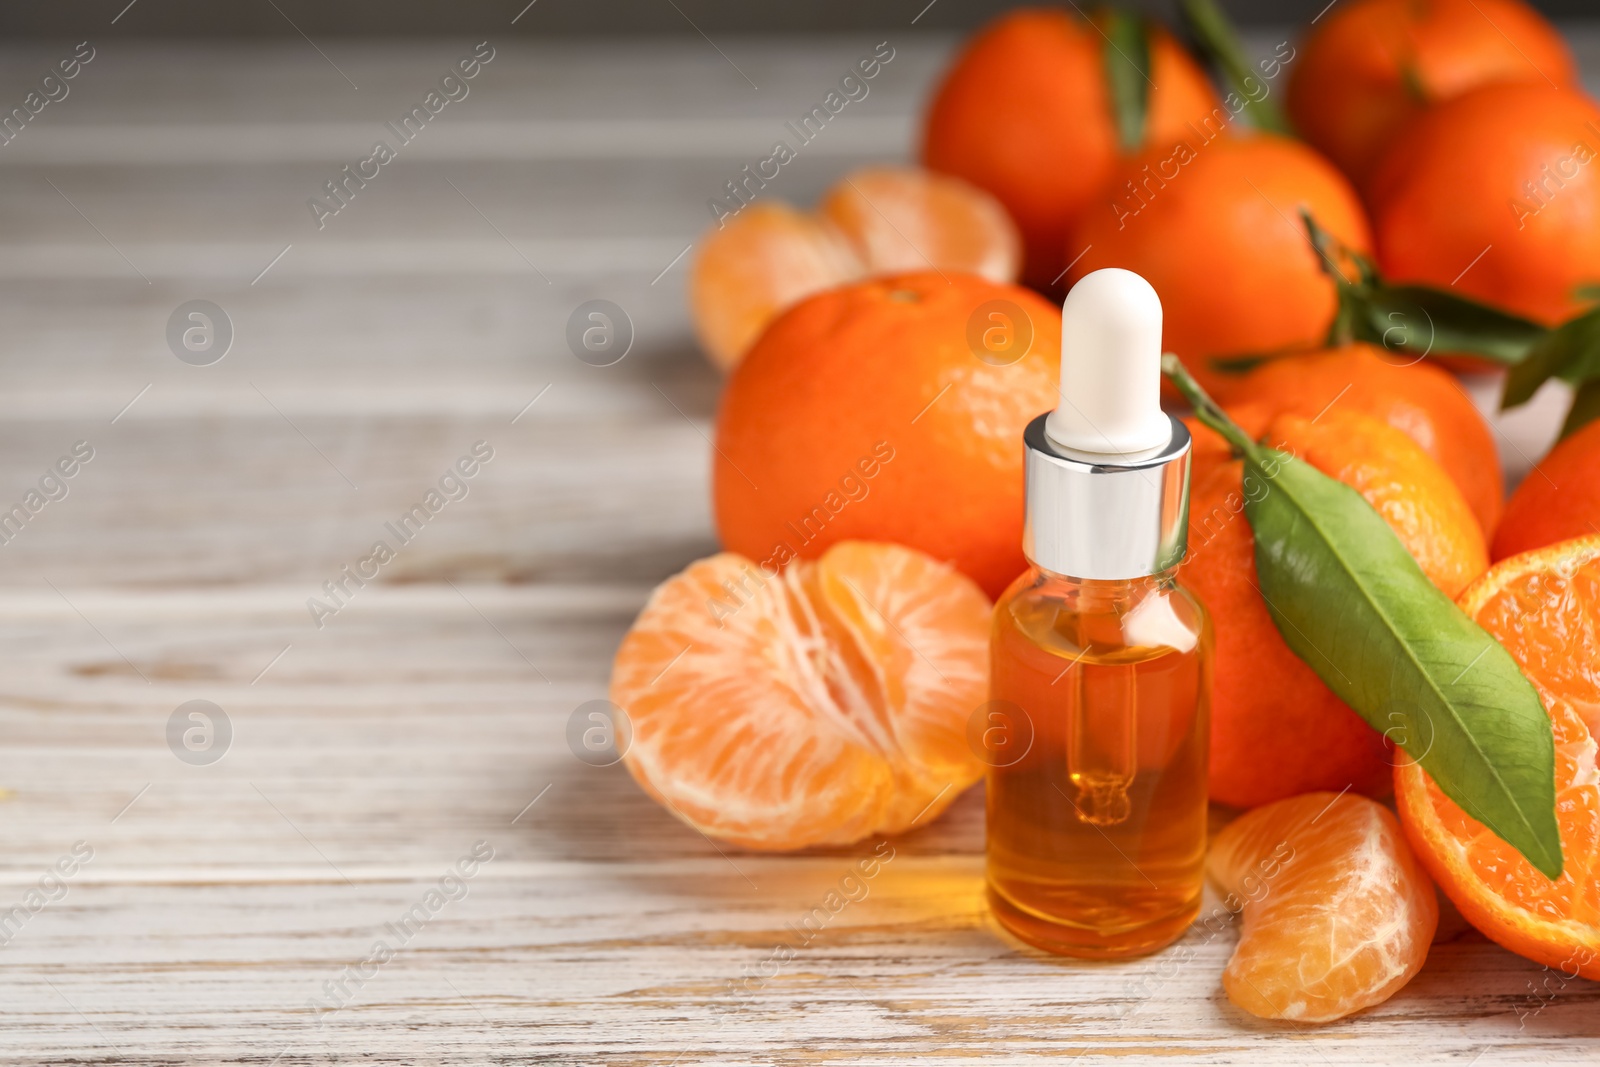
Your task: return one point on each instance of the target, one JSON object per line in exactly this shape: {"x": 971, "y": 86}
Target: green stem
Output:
{"x": 1127, "y": 73}
{"x": 1330, "y": 250}
{"x": 1207, "y": 410}
{"x": 1415, "y": 320}
{"x": 1220, "y": 44}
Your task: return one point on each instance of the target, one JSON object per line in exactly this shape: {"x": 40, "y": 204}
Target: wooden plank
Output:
{"x": 619, "y": 78}
{"x": 370, "y": 757}
{"x": 229, "y": 500}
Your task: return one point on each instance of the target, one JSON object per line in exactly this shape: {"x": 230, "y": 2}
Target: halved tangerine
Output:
{"x": 1338, "y": 914}
{"x": 1544, "y": 606}
{"x": 813, "y": 705}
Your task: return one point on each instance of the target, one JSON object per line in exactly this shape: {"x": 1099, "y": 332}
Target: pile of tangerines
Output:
{"x": 812, "y": 685}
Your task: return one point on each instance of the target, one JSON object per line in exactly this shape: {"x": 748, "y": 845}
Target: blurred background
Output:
{"x": 369, "y": 349}
{"x": 611, "y": 18}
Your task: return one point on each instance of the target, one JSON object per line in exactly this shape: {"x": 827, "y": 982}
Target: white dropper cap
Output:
{"x": 1110, "y": 367}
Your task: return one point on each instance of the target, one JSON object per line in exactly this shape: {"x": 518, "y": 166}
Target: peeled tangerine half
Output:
{"x": 764, "y": 259}
{"x": 903, "y": 219}
{"x": 816, "y": 705}
{"x": 1338, "y": 913}
{"x": 753, "y": 265}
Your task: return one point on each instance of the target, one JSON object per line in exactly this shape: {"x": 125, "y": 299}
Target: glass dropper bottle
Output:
{"x": 1097, "y": 831}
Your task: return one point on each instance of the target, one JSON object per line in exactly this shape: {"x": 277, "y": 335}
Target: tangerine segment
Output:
{"x": 816, "y": 705}
{"x": 1544, "y": 606}
{"x": 1338, "y": 914}
{"x": 756, "y": 264}
{"x": 905, "y": 219}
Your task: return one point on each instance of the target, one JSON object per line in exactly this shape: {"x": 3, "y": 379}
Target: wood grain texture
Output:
{"x": 224, "y": 903}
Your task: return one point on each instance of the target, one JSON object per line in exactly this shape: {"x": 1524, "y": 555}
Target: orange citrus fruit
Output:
{"x": 1496, "y": 195}
{"x": 1338, "y": 914}
{"x": 1558, "y": 500}
{"x": 1402, "y": 483}
{"x": 1215, "y": 226}
{"x": 878, "y": 220}
{"x": 1370, "y": 65}
{"x": 1425, "y": 402}
{"x": 816, "y": 705}
{"x": 890, "y": 409}
{"x": 1025, "y": 113}
{"x": 903, "y": 219}
{"x": 1276, "y": 729}
{"x": 1544, "y": 606}
{"x": 756, "y": 264}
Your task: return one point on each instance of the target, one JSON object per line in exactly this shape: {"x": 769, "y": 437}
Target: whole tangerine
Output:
{"x": 1215, "y": 226}
{"x": 1276, "y": 729}
{"x": 1495, "y": 194}
{"x": 889, "y": 409}
{"x": 1558, "y": 500}
{"x": 1425, "y": 402}
{"x": 1025, "y": 113}
{"x": 1372, "y": 65}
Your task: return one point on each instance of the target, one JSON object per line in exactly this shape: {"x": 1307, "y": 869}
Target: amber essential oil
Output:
{"x": 1097, "y": 732}
{"x": 1098, "y": 744}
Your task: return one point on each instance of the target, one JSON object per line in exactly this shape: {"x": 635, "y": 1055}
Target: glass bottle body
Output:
{"x": 1098, "y": 741}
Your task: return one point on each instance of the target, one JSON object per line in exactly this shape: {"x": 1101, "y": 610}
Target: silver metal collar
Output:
{"x": 1089, "y": 518}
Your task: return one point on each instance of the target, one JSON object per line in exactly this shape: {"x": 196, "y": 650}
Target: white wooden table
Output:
{"x": 223, "y": 901}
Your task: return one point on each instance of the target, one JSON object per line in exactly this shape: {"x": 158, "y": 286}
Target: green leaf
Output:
{"x": 1127, "y": 67}
{"x": 1351, "y": 602}
{"x": 1418, "y": 320}
{"x": 1570, "y": 351}
{"x": 1220, "y": 44}
{"x": 1585, "y": 407}
{"x": 1589, "y": 292}
{"x": 1415, "y": 320}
